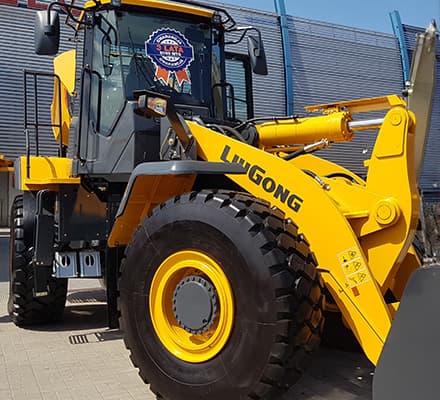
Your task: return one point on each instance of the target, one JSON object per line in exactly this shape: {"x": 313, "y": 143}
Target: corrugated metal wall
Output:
{"x": 430, "y": 177}
{"x": 330, "y": 62}
{"x": 16, "y": 54}
{"x": 269, "y": 91}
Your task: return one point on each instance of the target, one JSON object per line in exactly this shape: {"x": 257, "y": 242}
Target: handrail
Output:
{"x": 36, "y": 124}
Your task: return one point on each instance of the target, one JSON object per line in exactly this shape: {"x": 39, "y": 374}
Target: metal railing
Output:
{"x": 36, "y": 124}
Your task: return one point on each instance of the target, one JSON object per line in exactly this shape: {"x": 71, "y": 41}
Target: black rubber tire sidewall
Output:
{"x": 221, "y": 236}
{"x": 23, "y": 307}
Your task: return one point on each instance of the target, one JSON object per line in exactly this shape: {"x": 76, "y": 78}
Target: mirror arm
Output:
{"x": 67, "y": 8}
{"x": 244, "y": 29}
{"x": 74, "y": 19}
{"x": 238, "y": 40}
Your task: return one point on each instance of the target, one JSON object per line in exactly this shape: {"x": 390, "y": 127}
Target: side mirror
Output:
{"x": 257, "y": 55}
{"x": 47, "y": 33}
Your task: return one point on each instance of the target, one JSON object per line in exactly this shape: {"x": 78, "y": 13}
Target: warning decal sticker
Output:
{"x": 355, "y": 269}
{"x": 171, "y": 53}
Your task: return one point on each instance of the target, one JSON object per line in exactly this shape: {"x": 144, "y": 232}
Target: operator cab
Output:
{"x": 145, "y": 51}
{"x": 173, "y": 49}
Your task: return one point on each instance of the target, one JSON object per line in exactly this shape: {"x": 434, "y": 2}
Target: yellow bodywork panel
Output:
{"x": 5, "y": 164}
{"x": 326, "y": 168}
{"x": 65, "y": 69}
{"x": 409, "y": 264}
{"x": 147, "y": 192}
{"x": 162, "y": 5}
{"x": 45, "y": 172}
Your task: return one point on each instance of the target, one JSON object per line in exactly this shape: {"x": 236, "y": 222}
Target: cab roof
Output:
{"x": 160, "y": 4}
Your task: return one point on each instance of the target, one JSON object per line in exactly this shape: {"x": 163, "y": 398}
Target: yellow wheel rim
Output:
{"x": 194, "y": 348}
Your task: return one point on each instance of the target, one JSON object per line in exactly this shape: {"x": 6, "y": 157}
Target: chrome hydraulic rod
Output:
{"x": 365, "y": 124}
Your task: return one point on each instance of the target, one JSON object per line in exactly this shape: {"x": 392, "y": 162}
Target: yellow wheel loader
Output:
{"x": 221, "y": 242}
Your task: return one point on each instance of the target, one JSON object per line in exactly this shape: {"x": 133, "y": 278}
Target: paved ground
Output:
{"x": 80, "y": 359}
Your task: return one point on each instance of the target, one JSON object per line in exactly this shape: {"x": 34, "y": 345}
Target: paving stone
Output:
{"x": 6, "y": 395}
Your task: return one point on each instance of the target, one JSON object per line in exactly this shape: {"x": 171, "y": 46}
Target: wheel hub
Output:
{"x": 191, "y": 306}
{"x": 195, "y": 304}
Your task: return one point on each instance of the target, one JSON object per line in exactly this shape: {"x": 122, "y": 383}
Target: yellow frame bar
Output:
{"x": 5, "y": 164}
{"x": 361, "y": 105}
{"x": 162, "y": 5}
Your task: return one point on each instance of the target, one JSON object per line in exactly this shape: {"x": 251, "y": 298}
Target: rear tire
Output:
{"x": 23, "y": 307}
{"x": 276, "y": 299}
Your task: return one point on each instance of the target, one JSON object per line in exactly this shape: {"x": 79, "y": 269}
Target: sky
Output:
{"x": 370, "y": 14}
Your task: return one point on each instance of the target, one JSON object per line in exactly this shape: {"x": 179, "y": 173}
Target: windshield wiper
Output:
{"x": 140, "y": 66}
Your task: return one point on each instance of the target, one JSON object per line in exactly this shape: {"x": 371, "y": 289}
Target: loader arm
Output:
{"x": 358, "y": 232}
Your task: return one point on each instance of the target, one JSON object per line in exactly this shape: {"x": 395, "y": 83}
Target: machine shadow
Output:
{"x": 85, "y": 310}
{"x": 347, "y": 375}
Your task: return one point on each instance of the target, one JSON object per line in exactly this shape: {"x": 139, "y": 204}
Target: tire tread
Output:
{"x": 289, "y": 261}
{"x": 24, "y": 309}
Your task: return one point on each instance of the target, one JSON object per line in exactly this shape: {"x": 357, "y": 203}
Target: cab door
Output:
{"x": 240, "y": 102}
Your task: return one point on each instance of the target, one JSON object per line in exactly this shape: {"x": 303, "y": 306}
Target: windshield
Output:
{"x": 168, "y": 55}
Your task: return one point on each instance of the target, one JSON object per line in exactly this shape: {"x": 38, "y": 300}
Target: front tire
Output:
{"x": 257, "y": 289}
{"x": 23, "y": 308}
